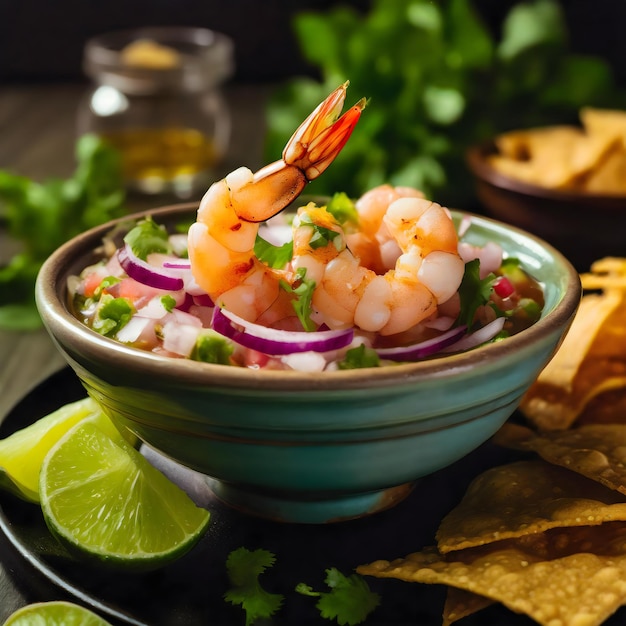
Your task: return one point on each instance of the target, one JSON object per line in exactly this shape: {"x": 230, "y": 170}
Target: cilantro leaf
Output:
{"x": 211, "y": 347}
{"x": 112, "y": 315}
{"x": 304, "y": 294}
{"x": 473, "y": 292}
{"x": 359, "y": 357}
{"x": 147, "y": 237}
{"x": 274, "y": 256}
{"x": 343, "y": 209}
{"x": 244, "y": 568}
{"x": 349, "y": 601}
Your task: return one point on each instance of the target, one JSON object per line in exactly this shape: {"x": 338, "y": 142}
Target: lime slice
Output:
{"x": 57, "y": 613}
{"x": 104, "y": 501}
{"x": 22, "y": 453}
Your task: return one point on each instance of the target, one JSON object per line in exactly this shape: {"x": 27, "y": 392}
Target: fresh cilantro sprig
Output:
{"x": 349, "y": 601}
{"x": 474, "y": 292}
{"x": 147, "y": 237}
{"x": 303, "y": 292}
{"x": 274, "y": 256}
{"x": 359, "y": 357}
{"x": 244, "y": 568}
{"x": 40, "y": 216}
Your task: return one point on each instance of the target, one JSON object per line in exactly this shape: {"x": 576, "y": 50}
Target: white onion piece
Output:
{"x": 180, "y": 338}
{"x": 145, "y": 273}
{"x": 131, "y": 332}
{"x": 482, "y": 335}
{"x": 305, "y": 361}
{"x": 422, "y": 349}
{"x": 277, "y": 342}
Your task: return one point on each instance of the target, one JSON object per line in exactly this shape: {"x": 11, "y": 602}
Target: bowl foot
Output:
{"x": 288, "y": 507}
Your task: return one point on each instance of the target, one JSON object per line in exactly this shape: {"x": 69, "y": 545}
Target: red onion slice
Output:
{"x": 422, "y": 349}
{"x": 278, "y": 342}
{"x": 145, "y": 273}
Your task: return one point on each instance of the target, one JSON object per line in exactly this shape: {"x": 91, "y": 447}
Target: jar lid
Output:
{"x": 198, "y": 59}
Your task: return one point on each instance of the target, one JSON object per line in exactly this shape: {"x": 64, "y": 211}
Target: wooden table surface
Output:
{"x": 37, "y": 138}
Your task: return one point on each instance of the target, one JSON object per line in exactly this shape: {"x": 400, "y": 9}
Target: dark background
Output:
{"x": 42, "y": 40}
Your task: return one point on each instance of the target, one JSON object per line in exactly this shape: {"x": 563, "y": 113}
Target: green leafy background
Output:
{"x": 438, "y": 81}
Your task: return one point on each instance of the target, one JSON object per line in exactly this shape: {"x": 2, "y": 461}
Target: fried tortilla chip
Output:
{"x": 524, "y": 498}
{"x": 565, "y": 577}
{"x": 610, "y": 122}
{"x": 460, "y": 604}
{"x": 609, "y": 177}
{"x": 590, "y": 361}
{"x": 597, "y": 451}
{"x": 591, "y": 158}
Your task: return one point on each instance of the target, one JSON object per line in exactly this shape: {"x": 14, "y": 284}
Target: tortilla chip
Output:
{"x": 610, "y": 122}
{"x": 608, "y": 407}
{"x": 570, "y": 577}
{"x": 590, "y": 360}
{"x": 525, "y": 498}
{"x": 591, "y": 158}
{"x": 609, "y": 177}
{"x": 460, "y": 604}
{"x": 597, "y": 451}
{"x": 542, "y": 156}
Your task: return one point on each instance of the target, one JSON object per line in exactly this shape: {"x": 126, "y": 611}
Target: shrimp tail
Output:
{"x": 310, "y": 150}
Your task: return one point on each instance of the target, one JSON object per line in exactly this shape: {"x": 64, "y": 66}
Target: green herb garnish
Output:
{"x": 359, "y": 357}
{"x": 211, "y": 347}
{"x": 112, "y": 315}
{"x": 349, "y": 600}
{"x": 244, "y": 568}
{"x": 147, "y": 237}
{"x": 274, "y": 256}
{"x": 303, "y": 292}
{"x": 343, "y": 209}
{"x": 42, "y": 216}
{"x": 474, "y": 292}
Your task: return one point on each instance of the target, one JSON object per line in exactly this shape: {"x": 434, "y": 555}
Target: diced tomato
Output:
{"x": 91, "y": 283}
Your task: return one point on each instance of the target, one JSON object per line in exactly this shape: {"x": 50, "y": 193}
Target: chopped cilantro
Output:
{"x": 244, "y": 568}
{"x": 473, "y": 292}
{"x": 321, "y": 236}
{"x": 349, "y": 600}
{"x": 147, "y": 237}
{"x": 211, "y": 347}
{"x": 112, "y": 315}
{"x": 274, "y": 256}
{"x": 343, "y": 209}
{"x": 168, "y": 302}
{"x": 107, "y": 281}
{"x": 304, "y": 293}
{"x": 359, "y": 357}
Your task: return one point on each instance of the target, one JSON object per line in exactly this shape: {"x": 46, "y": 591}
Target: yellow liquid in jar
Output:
{"x": 155, "y": 159}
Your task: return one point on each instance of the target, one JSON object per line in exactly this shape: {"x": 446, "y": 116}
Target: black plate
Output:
{"x": 190, "y": 591}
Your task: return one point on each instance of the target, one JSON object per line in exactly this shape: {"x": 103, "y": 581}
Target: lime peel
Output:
{"x": 105, "y": 502}
{"x": 22, "y": 453}
{"x": 54, "y": 613}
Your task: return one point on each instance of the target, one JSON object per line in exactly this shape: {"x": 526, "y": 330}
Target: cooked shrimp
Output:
{"x": 427, "y": 271}
{"x": 221, "y": 241}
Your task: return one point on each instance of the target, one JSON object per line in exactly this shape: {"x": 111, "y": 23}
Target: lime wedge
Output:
{"x": 22, "y": 453}
{"x": 56, "y": 613}
{"x": 105, "y": 502}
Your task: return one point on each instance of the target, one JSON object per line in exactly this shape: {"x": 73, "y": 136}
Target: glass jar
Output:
{"x": 156, "y": 97}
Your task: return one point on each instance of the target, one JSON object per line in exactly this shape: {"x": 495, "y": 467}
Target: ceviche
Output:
{"x": 334, "y": 285}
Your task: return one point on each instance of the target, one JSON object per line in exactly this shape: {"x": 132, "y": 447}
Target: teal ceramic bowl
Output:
{"x": 313, "y": 448}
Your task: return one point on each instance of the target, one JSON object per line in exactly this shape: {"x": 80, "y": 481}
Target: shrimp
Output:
{"x": 221, "y": 241}
{"x": 426, "y": 274}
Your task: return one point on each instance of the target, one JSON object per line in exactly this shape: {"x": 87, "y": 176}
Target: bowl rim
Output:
{"x": 475, "y": 157}
{"x": 62, "y": 325}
